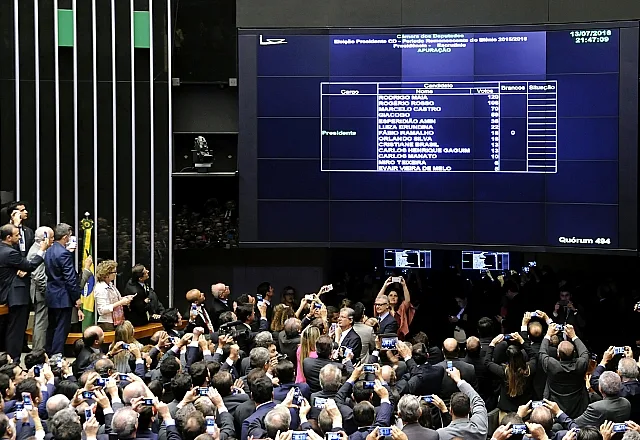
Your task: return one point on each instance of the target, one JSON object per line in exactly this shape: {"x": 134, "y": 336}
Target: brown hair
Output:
{"x": 104, "y": 269}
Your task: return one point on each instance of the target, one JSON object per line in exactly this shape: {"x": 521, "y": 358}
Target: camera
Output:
{"x": 211, "y": 425}
{"x": 203, "y": 391}
{"x": 619, "y": 427}
{"x": 123, "y": 377}
{"x": 560, "y": 327}
{"x": 369, "y": 368}
{"x": 537, "y": 403}
{"x": 428, "y": 399}
{"x": 233, "y": 329}
{"x": 518, "y": 429}
{"x": 148, "y": 402}
{"x": 618, "y": 350}
{"x": 101, "y": 382}
{"x": 87, "y": 394}
{"x": 368, "y": 385}
{"x": 299, "y": 435}
{"x": 297, "y": 397}
{"x": 36, "y": 371}
{"x": 508, "y": 337}
{"x": 384, "y": 431}
{"x": 449, "y": 366}
{"x": 88, "y": 413}
{"x": 389, "y": 343}
{"x": 319, "y": 402}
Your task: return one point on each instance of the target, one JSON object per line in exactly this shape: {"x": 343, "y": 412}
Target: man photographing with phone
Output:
{"x": 567, "y": 312}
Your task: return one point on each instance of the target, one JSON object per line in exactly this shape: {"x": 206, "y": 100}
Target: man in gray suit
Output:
{"x": 611, "y": 407}
{"x": 365, "y": 332}
{"x": 409, "y": 410}
{"x": 38, "y": 289}
{"x": 468, "y": 413}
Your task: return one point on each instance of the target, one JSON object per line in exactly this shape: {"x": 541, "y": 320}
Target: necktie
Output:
{"x": 22, "y": 242}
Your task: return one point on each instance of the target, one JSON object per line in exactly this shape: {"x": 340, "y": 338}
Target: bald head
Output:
{"x": 565, "y": 351}
{"x": 57, "y": 403}
{"x": 93, "y": 337}
{"x": 133, "y": 390}
{"x": 450, "y": 348}
{"x": 473, "y": 346}
{"x": 535, "y": 330}
{"x": 388, "y": 374}
{"x": 194, "y": 295}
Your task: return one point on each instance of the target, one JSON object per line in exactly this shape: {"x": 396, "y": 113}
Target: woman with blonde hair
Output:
{"x": 307, "y": 349}
{"x": 281, "y": 313}
{"x": 124, "y": 358}
{"x": 109, "y": 303}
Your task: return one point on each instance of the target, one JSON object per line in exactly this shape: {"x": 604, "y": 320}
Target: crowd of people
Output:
{"x": 314, "y": 366}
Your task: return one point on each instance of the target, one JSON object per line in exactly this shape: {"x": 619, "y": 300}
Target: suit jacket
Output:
{"x": 424, "y": 379}
{"x": 254, "y": 424}
{"x": 63, "y": 289}
{"x": 388, "y": 325}
{"x": 136, "y": 312}
{"x": 11, "y": 260}
{"x": 215, "y": 308}
{"x": 473, "y": 428}
{"x": 348, "y": 423}
{"x": 367, "y": 337}
{"x": 383, "y": 419}
{"x": 29, "y": 238}
{"x": 38, "y": 286}
{"x": 246, "y": 342}
{"x": 289, "y": 347}
{"x": 630, "y": 390}
{"x": 232, "y": 401}
{"x": 467, "y": 373}
{"x": 280, "y": 392}
{"x": 415, "y": 431}
{"x": 82, "y": 362}
{"x": 353, "y": 341}
{"x": 311, "y": 368}
{"x": 242, "y": 412}
{"x": 565, "y": 379}
{"x": 613, "y": 409}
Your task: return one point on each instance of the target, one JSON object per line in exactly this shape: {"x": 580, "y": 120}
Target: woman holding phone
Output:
{"x": 402, "y": 310}
{"x": 109, "y": 303}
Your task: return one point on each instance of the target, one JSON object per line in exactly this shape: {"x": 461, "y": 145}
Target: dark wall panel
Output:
{"x": 86, "y": 173}
{"x": 66, "y": 167}
{"x": 562, "y": 11}
{"x": 142, "y": 184}
{"x": 364, "y": 13}
{"x": 283, "y": 13}
{"x": 361, "y": 13}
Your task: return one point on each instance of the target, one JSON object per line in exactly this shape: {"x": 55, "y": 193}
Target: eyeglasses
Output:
{"x": 383, "y": 304}
{"x": 113, "y": 273}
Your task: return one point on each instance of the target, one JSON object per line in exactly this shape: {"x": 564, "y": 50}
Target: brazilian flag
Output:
{"x": 88, "y": 300}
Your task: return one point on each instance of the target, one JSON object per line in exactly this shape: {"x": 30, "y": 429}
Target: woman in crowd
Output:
{"x": 281, "y": 313}
{"x": 307, "y": 349}
{"x": 122, "y": 359}
{"x": 402, "y": 310}
{"x": 517, "y": 385}
{"x": 109, "y": 303}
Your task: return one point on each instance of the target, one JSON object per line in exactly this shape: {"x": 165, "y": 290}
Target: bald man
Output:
{"x": 92, "y": 337}
{"x": 565, "y": 375}
{"x": 38, "y": 289}
{"x": 218, "y": 303}
{"x": 475, "y": 357}
{"x": 451, "y": 353}
{"x": 198, "y": 315}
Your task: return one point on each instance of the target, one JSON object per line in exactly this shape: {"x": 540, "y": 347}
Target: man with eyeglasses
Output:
{"x": 388, "y": 324}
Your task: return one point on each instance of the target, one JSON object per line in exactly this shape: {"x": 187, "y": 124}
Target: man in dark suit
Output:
{"x": 198, "y": 315}
{"x": 14, "y": 265}
{"x": 485, "y": 379}
{"x": 19, "y": 214}
{"x": 423, "y": 378}
{"x": 628, "y": 372}
{"x": 467, "y": 372}
{"x": 565, "y": 376}
{"x": 218, "y": 303}
{"x": 612, "y": 407}
{"x": 265, "y": 290}
{"x": 345, "y": 335}
{"x": 223, "y": 382}
{"x": 246, "y": 314}
{"x": 286, "y": 374}
{"x": 145, "y": 306}
{"x": 63, "y": 289}
{"x": 388, "y": 324}
{"x": 92, "y": 338}
{"x": 289, "y": 340}
{"x": 262, "y": 395}
{"x": 410, "y": 410}
{"x": 311, "y": 367}
{"x": 331, "y": 378}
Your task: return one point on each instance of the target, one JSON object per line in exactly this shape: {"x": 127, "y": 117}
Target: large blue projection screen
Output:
{"x": 524, "y": 138}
